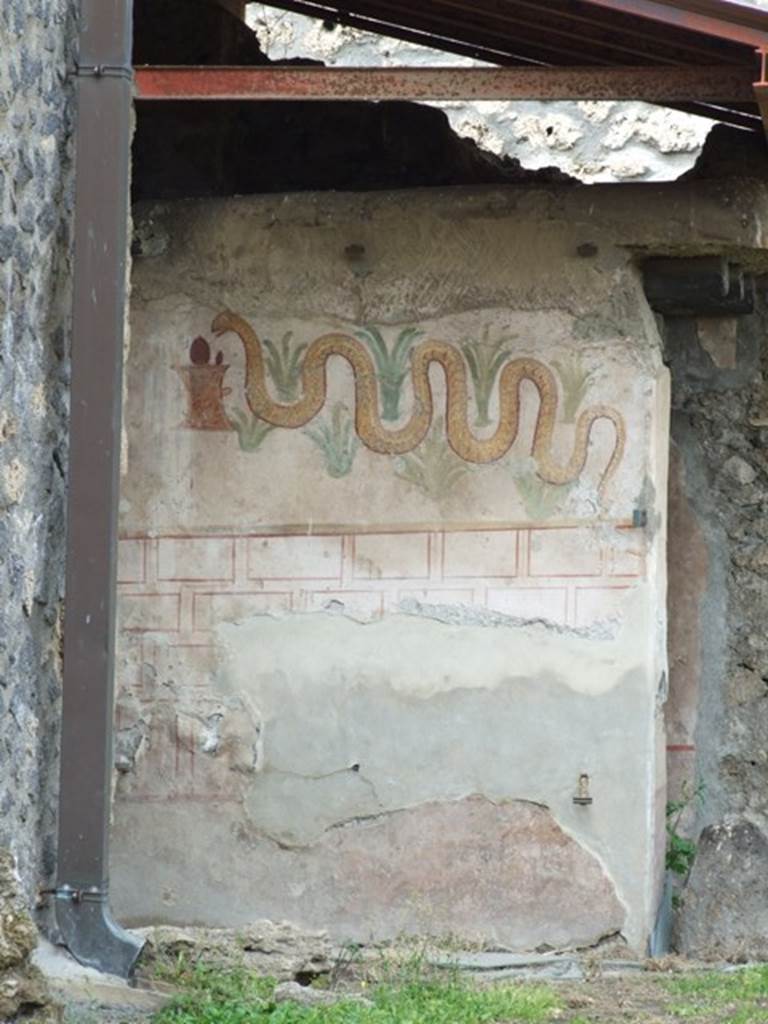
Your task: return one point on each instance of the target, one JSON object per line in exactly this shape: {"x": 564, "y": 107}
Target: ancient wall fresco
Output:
{"x": 389, "y": 577}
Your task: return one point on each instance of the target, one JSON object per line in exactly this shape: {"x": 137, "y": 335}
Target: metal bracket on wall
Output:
{"x": 103, "y": 71}
{"x": 698, "y": 286}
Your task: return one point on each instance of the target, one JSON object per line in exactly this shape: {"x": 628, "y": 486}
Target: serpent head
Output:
{"x": 223, "y": 322}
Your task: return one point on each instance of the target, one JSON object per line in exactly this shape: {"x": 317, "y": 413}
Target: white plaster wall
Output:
{"x": 593, "y": 141}
{"x": 375, "y": 729}
{"x": 351, "y": 699}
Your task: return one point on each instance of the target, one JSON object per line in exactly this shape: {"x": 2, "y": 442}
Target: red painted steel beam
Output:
{"x": 722, "y": 19}
{"x": 718, "y": 85}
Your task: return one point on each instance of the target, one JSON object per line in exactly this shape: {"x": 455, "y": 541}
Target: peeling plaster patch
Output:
{"x": 472, "y": 615}
{"x": 128, "y": 744}
{"x": 384, "y": 713}
{"x": 583, "y": 502}
{"x": 225, "y": 732}
{"x": 372, "y": 748}
{"x": 216, "y": 744}
{"x": 296, "y": 646}
{"x": 210, "y": 733}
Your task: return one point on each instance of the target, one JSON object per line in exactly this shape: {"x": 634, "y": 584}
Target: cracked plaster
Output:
{"x": 315, "y": 762}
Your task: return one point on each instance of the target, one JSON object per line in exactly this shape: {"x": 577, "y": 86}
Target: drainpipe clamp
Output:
{"x": 93, "y": 894}
{"x": 104, "y": 71}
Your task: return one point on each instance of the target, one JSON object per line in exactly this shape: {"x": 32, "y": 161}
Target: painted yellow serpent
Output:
{"x": 404, "y": 439}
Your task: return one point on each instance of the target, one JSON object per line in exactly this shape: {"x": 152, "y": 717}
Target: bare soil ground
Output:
{"x": 663, "y": 998}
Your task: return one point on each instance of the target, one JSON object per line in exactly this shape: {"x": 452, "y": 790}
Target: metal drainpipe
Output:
{"x": 104, "y": 97}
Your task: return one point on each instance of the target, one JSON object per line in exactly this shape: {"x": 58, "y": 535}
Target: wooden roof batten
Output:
{"x": 704, "y": 56}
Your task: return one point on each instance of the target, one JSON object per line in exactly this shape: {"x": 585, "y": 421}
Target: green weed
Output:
{"x": 741, "y": 995}
{"x": 214, "y": 996}
{"x": 681, "y": 851}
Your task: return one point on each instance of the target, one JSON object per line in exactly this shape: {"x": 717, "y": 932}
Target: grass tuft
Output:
{"x": 221, "y": 996}
{"x": 741, "y": 995}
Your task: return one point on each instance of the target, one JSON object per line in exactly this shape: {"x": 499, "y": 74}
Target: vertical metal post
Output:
{"x": 101, "y": 214}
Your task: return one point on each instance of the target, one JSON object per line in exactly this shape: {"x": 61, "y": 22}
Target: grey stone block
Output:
{"x": 725, "y": 910}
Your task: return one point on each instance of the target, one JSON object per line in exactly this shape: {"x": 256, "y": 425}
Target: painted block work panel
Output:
{"x": 294, "y": 558}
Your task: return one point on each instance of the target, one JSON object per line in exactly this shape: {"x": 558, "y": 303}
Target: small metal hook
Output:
{"x": 583, "y": 797}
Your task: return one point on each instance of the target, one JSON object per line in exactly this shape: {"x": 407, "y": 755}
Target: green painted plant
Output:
{"x": 284, "y": 365}
{"x": 251, "y": 430}
{"x": 575, "y": 381}
{"x": 434, "y": 467}
{"x": 336, "y": 439}
{"x": 541, "y": 499}
{"x": 391, "y": 366}
{"x": 485, "y": 359}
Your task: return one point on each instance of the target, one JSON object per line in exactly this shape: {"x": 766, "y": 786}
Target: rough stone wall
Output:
{"x": 23, "y": 990}
{"x": 594, "y": 141}
{"x": 719, "y": 562}
{"x": 35, "y": 204}
{"x": 717, "y": 723}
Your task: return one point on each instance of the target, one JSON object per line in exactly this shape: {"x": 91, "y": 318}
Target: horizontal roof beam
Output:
{"x": 716, "y": 85}
{"x": 723, "y": 19}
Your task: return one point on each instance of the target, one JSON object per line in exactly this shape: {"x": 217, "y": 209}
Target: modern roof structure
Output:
{"x": 703, "y": 56}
